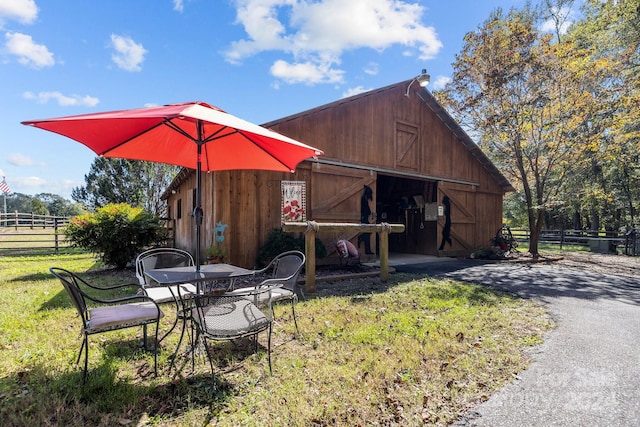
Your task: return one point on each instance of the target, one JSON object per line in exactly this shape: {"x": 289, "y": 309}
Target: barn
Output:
{"x": 395, "y": 144}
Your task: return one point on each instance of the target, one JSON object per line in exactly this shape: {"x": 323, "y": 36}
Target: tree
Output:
{"x": 135, "y": 182}
{"x": 611, "y": 30}
{"x": 59, "y": 206}
{"x": 43, "y": 204}
{"x": 524, "y": 94}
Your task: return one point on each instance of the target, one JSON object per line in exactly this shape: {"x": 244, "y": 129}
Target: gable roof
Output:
{"x": 430, "y": 101}
{"x": 425, "y": 96}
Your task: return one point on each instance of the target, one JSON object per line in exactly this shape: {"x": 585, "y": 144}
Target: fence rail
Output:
{"x": 18, "y": 220}
{"x": 28, "y": 232}
{"x": 596, "y": 241}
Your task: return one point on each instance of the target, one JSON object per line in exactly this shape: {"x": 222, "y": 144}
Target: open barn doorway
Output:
{"x": 412, "y": 202}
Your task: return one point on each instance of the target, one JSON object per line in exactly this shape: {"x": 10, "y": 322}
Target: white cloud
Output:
{"x": 23, "y": 11}
{"x": 128, "y": 54}
{"x": 440, "y": 82}
{"x": 18, "y": 159}
{"x": 30, "y": 181}
{"x": 178, "y": 5}
{"x": 306, "y": 72}
{"x": 28, "y": 52}
{"x": 371, "y": 69}
{"x": 316, "y": 34}
{"x": 35, "y": 185}
{"x": 354, "y": 91}
{"x": 63, "y": 100}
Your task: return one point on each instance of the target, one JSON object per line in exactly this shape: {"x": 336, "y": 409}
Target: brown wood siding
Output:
{"x": 463, "y": 199}
{"x": 336, "y": 197}
{"x": 381, "y": 132}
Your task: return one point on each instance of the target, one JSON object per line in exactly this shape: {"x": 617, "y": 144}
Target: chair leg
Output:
{"x": 269, "y": 348}
{"x": 144, "y": 337}
{"x": 81, "y": 348}
{"x": 195, "y": 340}
{"x": 293, "y": 310}
{"x": 206, "y": 348}
{"x": 85, "y": 344}
{"x": 184, "y": 329}
{"x": 155, "y": 351}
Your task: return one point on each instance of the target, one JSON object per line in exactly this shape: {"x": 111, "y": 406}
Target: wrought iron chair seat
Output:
{"x": 225, "y": 316}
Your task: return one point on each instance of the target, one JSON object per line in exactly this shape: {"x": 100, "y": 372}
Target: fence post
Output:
{"x": 15, "y": 221}
{"x": 55, "y": 233}
{"x": 384, "y": 253}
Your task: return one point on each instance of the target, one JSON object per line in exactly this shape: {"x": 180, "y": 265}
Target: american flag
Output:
{"x": 4, "y": 187}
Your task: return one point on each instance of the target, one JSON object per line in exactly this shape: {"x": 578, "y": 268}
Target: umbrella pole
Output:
{"x": 198, "y": 211}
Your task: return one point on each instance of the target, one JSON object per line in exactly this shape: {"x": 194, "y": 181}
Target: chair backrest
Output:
{"x": 161, "y": 258}
{"x": 72, "y": 286}
{"x": 286, "y": 268}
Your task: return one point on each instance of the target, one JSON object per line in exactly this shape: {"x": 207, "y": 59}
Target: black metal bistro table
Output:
{"x": 216, "y": 276}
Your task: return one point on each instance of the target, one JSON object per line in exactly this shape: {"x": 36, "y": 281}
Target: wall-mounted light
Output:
{"x": 423, "y": 79}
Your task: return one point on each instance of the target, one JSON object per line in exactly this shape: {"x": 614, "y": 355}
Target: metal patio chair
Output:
{"x": 284, "y": 271}
{"x": 163, "y": 258}
{"x": 227, "y": 316}
{"x": 108, "y": 314}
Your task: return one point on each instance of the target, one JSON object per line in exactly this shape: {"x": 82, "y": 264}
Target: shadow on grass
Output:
{"x": 33, "y": 396}
{"x": 360, "y": 290}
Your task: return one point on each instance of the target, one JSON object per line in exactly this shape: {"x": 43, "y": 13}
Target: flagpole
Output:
{"x": 4, "y": 222}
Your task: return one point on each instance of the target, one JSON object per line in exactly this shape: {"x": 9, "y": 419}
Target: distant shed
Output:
{"x": 423, "y": 170}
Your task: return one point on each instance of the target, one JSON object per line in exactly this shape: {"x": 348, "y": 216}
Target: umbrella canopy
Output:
{"x": 193, "y": 135}
{"x": 175, "y": 133}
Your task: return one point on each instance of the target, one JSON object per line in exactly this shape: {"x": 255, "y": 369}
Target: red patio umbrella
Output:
{"x": 194, "y": 135}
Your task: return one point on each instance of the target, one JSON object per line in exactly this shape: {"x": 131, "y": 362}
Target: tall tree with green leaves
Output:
{"x": 135, "y": 182}
{"x": 520, "y": 91}
{"x": 611, "y": 178}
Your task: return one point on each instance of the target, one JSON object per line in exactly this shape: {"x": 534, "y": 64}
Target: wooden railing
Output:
{"x": 29, "y": 232}
{"x": 19, "y": 220}
{"x": 597, "y": 241}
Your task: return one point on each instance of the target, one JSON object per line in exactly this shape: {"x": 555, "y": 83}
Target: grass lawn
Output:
{"x": 411, "y": 351}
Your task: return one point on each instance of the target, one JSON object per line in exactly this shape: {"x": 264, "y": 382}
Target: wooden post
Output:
{"x": 384, "y": 255}
{"x": 311, "y": 228}
{"x": 55, "y": 233}
{"x": 310, "y": 254}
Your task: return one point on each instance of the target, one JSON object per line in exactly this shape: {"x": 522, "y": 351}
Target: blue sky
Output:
{"x": 256, "y": 59}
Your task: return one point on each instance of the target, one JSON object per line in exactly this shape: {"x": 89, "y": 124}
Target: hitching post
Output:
{"x": 311, "y": 228}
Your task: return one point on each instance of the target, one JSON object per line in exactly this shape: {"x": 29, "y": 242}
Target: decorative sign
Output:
{"x": 218, "y": 231}
{"x": 294, "y": 201}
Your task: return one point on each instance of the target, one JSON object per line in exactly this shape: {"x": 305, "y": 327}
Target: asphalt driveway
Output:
{"x": 587, "y": 372}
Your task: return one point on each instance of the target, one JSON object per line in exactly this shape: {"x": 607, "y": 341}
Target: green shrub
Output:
{"x": 278, "y": 241}
{"x": 115, "y": 232}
